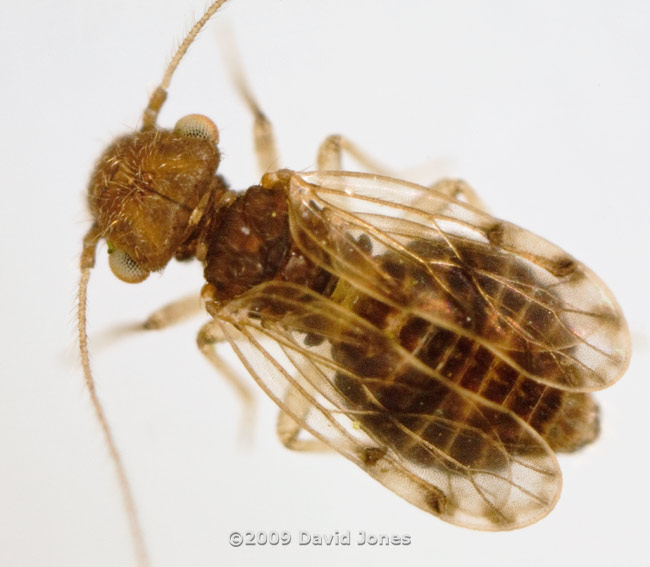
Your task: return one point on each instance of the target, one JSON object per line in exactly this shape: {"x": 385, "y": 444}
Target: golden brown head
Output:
{"x": 144, "y": 190}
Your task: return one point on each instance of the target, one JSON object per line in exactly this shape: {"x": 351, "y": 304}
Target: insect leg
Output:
{"x": 459, "y": 190}
{"x": 288, "y": 430}
{"x": 265, "y": 149}
{"x": 330, "y": 156}
{"x": 263, "y": 138}
{"x": 174, "y": 312}
{"x": 166, "y": 316}
{"x": 208, "y": 336}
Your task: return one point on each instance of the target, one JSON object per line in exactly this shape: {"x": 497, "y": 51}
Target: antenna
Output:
{"x": 149, "y": 118}
{"x": 159, "y": 96}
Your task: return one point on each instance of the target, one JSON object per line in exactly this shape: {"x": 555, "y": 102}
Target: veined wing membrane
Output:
{"x": 522, "y": 297}
{"x": 471, "y": 462}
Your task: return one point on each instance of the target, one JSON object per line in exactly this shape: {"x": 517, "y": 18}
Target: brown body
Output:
{"x": 252, "y": 244}
{"x": 501, "y": 381}
{"x": 447, "y": 353}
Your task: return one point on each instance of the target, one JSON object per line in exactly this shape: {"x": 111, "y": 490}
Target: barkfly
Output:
{"x": 448, "y": 354}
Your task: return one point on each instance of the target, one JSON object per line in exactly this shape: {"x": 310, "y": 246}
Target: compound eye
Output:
{"x": 126, "y": 268}
{"x": 197, "y": 126}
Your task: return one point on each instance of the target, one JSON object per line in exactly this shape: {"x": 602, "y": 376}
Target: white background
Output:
{"x": 542, "y": 107}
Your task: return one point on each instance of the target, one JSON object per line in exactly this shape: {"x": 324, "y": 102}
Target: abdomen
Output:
{"x": 410, "y": 398}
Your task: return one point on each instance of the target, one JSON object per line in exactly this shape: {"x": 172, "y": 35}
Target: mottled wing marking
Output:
{"x": 522, "y": 297}
{"x": 489, "y": 469}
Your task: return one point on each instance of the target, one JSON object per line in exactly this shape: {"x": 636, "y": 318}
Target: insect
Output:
{"x": 447, "y": 353}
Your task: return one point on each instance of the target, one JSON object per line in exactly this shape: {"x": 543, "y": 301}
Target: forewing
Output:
{"x": 520, "y": 296}
{"x": 472, "y": 463}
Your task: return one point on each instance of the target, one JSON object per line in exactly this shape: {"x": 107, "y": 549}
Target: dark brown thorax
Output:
{"x": 252, "y": 244}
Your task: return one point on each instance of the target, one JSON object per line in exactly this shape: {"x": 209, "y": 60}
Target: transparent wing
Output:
{"x": 518, "y": 295}
{"x": 472, "y": 463}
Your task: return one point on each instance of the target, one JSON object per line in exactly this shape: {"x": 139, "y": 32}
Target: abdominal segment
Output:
{"x": 423, "y": 413}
